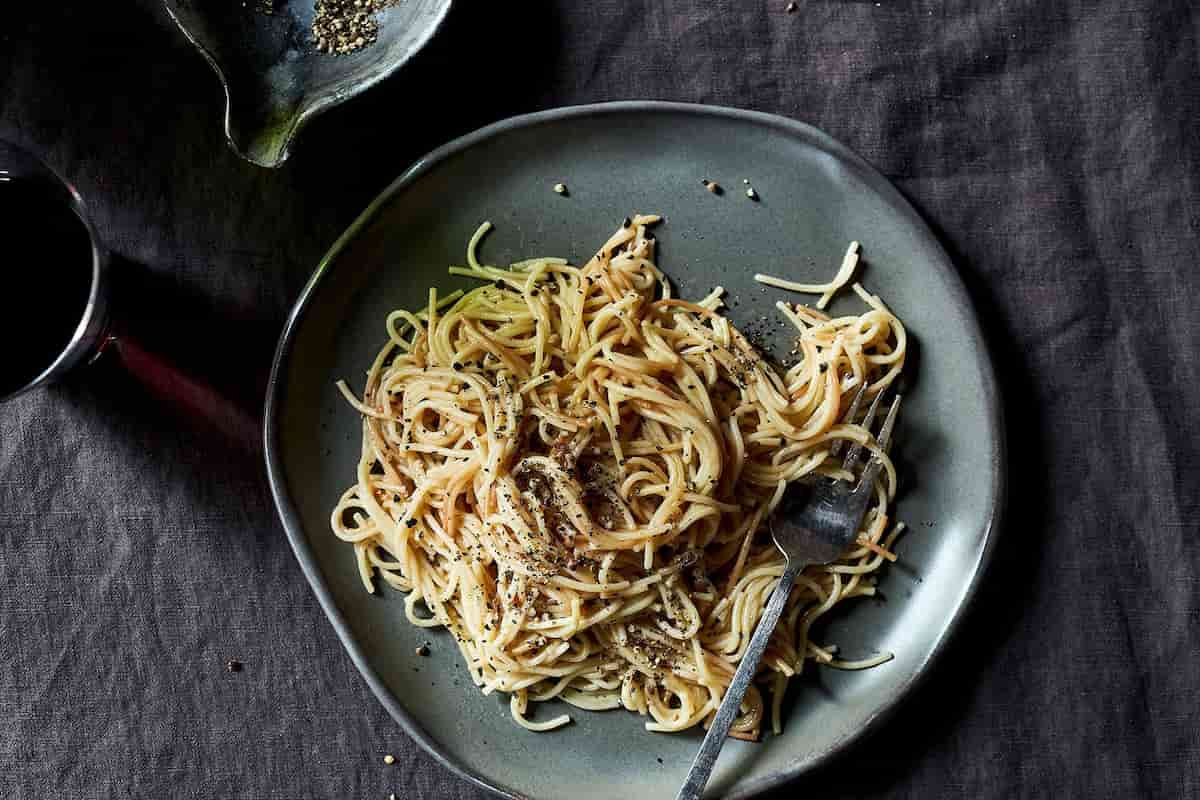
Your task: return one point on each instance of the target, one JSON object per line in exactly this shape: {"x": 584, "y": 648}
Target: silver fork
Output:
{"x": 815, "y": 531}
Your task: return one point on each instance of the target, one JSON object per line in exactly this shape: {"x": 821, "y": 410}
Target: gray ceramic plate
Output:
{"x": 618, "y": 158}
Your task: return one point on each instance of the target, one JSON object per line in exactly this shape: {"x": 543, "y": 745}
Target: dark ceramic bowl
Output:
{"x": 814, "y": 196}
{"x": 275, "y": 81}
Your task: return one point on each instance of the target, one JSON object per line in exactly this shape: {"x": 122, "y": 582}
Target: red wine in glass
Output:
{"x": 52, "y": 301}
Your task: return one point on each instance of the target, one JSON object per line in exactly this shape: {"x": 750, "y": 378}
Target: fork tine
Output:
{"x": 866, "y": 486}
{"x": 851, "y": 413}
{"x": 856, "y": 449}
{"x": 885, "y": 433}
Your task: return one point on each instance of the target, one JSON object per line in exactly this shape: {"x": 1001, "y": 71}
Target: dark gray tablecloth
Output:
{"x": 1053, "y": 146}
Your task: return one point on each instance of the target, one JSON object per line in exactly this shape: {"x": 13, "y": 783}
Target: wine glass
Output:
{"x": 54, "y": 312}
{"x": 57, "y": 311}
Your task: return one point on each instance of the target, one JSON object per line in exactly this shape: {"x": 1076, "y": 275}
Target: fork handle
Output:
{"x": 702, "y": 767}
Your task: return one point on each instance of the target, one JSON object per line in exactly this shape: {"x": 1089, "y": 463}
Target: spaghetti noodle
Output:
{"x": 568, "y": 468}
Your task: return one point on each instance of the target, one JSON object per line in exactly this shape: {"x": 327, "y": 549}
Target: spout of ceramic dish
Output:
{"x": 260, "y": 59}
{"x": 260, "y": 123}
{"x": 274, "y": 78}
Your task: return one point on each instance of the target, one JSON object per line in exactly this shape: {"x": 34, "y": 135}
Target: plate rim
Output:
{"x": 998, "y": 457}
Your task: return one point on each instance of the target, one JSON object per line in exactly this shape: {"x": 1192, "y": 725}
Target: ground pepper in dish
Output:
{"x": 346, "y": 26}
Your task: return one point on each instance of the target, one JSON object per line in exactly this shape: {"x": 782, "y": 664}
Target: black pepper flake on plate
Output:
{"x": 412, "y": 523}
